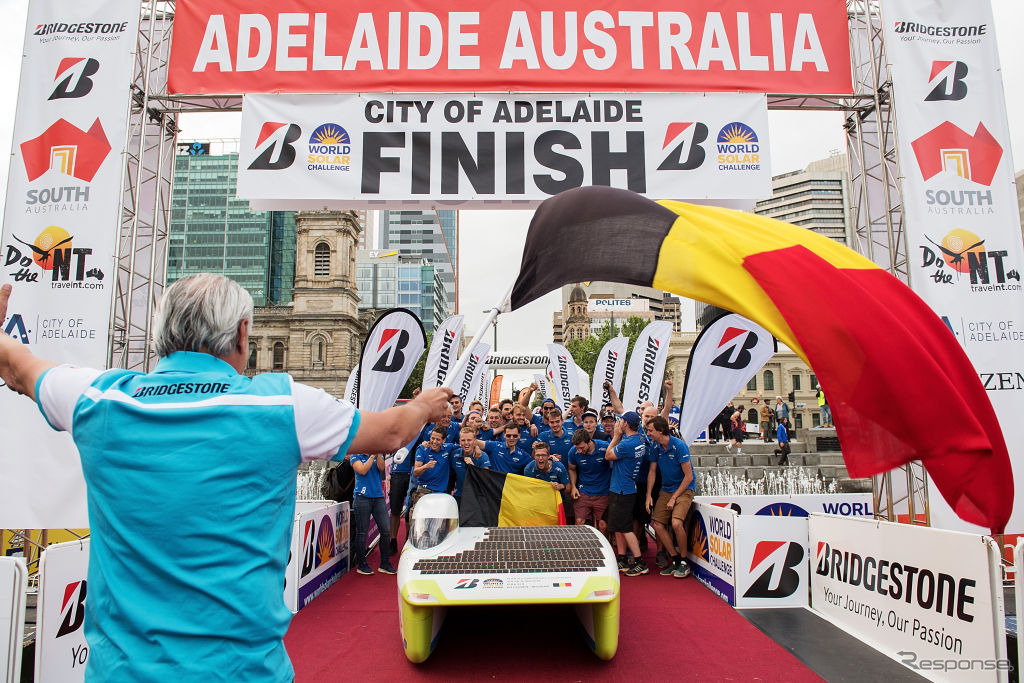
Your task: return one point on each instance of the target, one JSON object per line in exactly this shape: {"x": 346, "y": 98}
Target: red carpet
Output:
{"x": 670, "y": 628}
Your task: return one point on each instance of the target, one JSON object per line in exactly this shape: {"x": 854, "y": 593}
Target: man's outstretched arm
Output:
{"x": 393, "y": 428}
{"x": 18, "y": 367}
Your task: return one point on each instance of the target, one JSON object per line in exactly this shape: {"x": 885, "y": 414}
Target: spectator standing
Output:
{"x": 369, "y": 500}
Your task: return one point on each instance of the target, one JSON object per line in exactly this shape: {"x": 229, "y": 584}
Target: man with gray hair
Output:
{"x": 190, "y": 476}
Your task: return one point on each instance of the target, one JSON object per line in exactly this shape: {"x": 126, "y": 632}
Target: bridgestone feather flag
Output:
{"x": 899, "y": 385}
{"x": 444, "y": 351}
{"x": 563, "y": 376}
{"x": 492, "y": 498}
{"x": 647, "y": 365}
{"x": 542, "y": 385}
{"x": 352, "y": 387}
{"x": 725, "y": 356}
{"x": 465, "y": 385}
{"x": 393, "y": 347}
{"x": 610, "y": 364}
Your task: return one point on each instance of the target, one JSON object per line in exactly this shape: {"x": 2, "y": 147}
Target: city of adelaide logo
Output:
{"x": 329, "y": 149}
{"x": 687, "y": 154}
{"x": 738, "y": 149}
{"x": 52, "y": 251}
{"x": 734, "y": 345}
{"x": 961, "y": 252}
{"x": 73, "y": 77}
{"x": 948, "y": 148}
{"x": 72, "y": 608}
{"x": 274, "y": 143}
{"x": 67, "y": 149}
{"x": 391, "y": 358}
{"x": 947, "y": 79}
{"x": 777, "y": 561}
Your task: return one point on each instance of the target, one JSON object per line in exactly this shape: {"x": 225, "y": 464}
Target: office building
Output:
{"x": 428, "y": 235}
{"x": 588, "y": 306}
{"x": 387, "y": 279}
{"x": 817, "y": 198}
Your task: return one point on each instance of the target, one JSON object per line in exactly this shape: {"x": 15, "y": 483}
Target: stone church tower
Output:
{"x": 316, "y": 338}
{"x": 577, "y": 322}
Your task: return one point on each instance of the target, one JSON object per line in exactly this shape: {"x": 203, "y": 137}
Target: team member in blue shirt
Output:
{"x": 678, "y": 486}
{"x": 469, "y": 453}
{"x": 527, "y": 431}
{"x": 627, "y": 453}
{"x": 558, "y": 439}
{"x": 433, "y": 466}
{"x": 195, "y": 430}
{"x": 590, "y": 424}
{"x": 507, "y": 456}
{"x": 546, "y": 468}
{"x": 589, "y": 475}
{"x": 495, "y": 427}
{"x": 369, "y": 500}
{"x": 456, "y": 404}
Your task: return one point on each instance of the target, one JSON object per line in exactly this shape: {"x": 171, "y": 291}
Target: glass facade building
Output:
{"x": 387, "y": 280}
{"x": 213, "y": 231}
{"x": 428, "y": 235}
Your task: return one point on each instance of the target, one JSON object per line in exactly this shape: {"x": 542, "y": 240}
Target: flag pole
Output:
{"x": 492, "y": 315}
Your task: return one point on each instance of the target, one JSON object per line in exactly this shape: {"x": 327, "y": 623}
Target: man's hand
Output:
{"x": 618, "y": 427}
{"x": 5, "y": 296}
{"x": 533, "y": 430}
{"x": 671, "y": 503}
{"x": 533, "y": 386}
{"x": 668, "y": 387}
{"x": 431, "y": 465}
{"x": 575, "y": 493}
{"x": 650, "y": 504}
{"x": 435, "y": 402}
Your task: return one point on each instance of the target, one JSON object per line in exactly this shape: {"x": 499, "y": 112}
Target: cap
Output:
{"x": 632, "y": 419}
{"x": 548, "y": 400}
{"x": 591, "y": 412}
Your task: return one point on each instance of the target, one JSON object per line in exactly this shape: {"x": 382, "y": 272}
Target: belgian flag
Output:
{"x": 492, "y": 498}
{"x": 899, "y": 385}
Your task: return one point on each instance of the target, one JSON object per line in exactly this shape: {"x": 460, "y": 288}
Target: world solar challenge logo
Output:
{"x": 738, "y": 148}
{"x": 330, "y": 149}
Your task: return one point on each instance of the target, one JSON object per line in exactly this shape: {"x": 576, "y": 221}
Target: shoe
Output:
{"x": 394, "y": 546}
{"x": 728, "y": 448}
{"x": 637, "y": 568}
{"x": 364, "y": 569}
{"x": 623, "y": 564}
{"x": 681, "y": 571}
{"x": 386, "y": 568}
{"x": 662, "y": 559}
{"x": 669, "y": 570}
{"x": 739, "y": 451}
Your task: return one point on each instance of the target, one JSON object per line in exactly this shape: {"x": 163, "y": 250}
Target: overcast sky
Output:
{"x": 492, "y": 241}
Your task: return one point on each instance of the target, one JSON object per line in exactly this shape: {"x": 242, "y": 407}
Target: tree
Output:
{"x": 586, "y": 351}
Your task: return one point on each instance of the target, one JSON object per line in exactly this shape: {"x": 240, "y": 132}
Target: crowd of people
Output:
{"x": 730, "y": 426}
{"x": 617, "y": 470}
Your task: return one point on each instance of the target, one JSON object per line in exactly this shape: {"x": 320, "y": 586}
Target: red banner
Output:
{"x": 236, "y": 46}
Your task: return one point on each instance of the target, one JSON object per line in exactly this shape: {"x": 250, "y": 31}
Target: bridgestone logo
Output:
{"x": 609, "y": 373}
{"x": 467, "y": 378}
{"x": 563, "y": 375}
{"x": 650, "y": 354}
{"x": 446, "y": 356}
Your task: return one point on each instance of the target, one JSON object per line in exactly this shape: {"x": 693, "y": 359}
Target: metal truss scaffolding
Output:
{"x": 142, "y": 243}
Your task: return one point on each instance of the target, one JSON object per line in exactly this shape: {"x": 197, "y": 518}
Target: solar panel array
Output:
{"x": 523, "y": 550}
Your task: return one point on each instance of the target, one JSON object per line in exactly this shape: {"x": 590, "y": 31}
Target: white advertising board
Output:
{"x": 618, "y": 305}
{"x": 963, "y": 235}
{"x": 711, "y": 553}
{"x": 929, "y": 598}
{"x": 771, "y": 561}
{"x": 444, "y": 150}
{"x": 13, "y": 585}
{"x": 60, "y": 224}
{"x": 61, "y": 650}
{"x": 796, "y": 505}
{"x": 320, "y": 551}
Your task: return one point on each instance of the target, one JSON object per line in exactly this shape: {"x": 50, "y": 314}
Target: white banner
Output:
{"x": 930, "y": 599}
{"x": 481, "y": 150}
{"x": 13, "y": 586}
{"x": 542, "y": 385}
{"x": 352, "y": 386}
{"x": 711, "y": 553}
{"x": 61, "y": 650}
{"x": 771, "y": 561}
{"x": 444, "y": 351}
{"x": 319, "y": 553}
{"x": 726, "y": 354}
{"x": 483, "y": 385}
{"x": 393, "y": 347}
{"x": 60, "y": 222}
{"x": 963, "y": 232}
{"x": 563, "y": 377}
{"x": 610, "y": 364}
{"x": 796, "y": 505}
{"x": 647, "y": 365}
{"x": 465, "y": 385}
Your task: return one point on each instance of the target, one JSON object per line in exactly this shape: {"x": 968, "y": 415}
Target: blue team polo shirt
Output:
{"x": 670, "y": 462}
{"x": 559, "y": 445}
{"x": 556, "y": 473}
{"x": 504, "y": 460}
{"x": 593, "y": 473}
{"x": 167, "y": 455}
{"x": 436, "y": 478}
{"x": 367, "y": 485}
{"x": 459, "y": 465}
{"x": 631, "y": 453}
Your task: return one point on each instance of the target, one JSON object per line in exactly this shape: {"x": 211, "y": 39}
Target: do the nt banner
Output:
{"x": 488, "y": 150}
{"x": 964, "y": 249}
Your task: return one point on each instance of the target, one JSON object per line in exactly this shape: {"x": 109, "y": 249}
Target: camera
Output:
{"x": 607, "y": 384}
